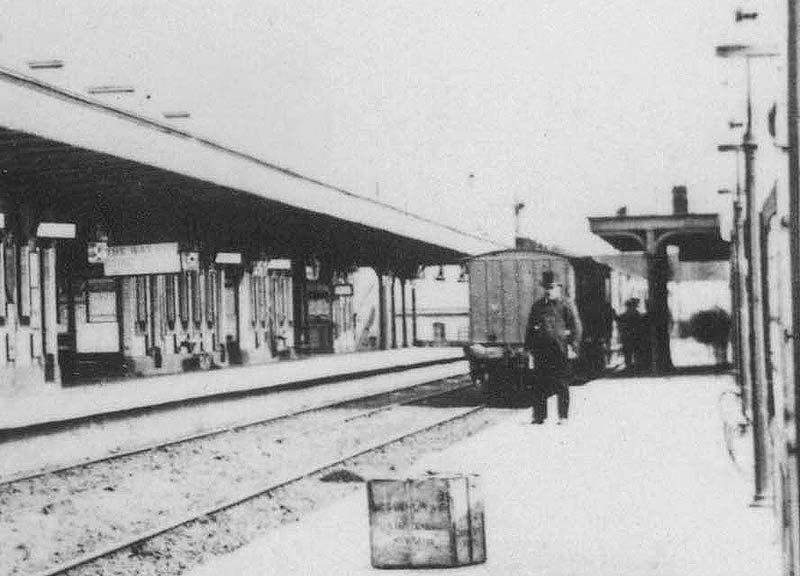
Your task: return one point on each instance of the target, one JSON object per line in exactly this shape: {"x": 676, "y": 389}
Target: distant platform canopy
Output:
{"x": 696, "y": 235}
{"x": 78, "y": 153}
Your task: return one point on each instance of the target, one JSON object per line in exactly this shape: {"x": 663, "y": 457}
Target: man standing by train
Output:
{"x": 552, "y": 337}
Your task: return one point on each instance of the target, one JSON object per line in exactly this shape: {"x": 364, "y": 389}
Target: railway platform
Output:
{"x": 638, "y": 483}
{"x": 52, "y": 405}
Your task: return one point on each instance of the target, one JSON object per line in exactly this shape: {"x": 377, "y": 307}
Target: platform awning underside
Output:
{"x": 696, "y": 235}
{"x": 145, "y": 181}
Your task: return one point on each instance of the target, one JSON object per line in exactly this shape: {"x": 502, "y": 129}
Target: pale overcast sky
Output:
{"x": 574, "y": 107}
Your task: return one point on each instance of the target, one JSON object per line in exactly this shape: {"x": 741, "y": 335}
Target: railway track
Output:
{"x": 228, "y": 429}
{"x": 91, "y": 438}
{"x": 353, "y": 410}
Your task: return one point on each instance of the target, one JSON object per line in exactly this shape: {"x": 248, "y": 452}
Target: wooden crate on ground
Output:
{"x": 432, "y": 522}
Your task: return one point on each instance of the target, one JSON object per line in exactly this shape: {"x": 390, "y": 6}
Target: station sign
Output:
{"x": 279, "y": 264}
{"x": 234, "y": 258}
{"x": 58, "y": 230}
{"x": 140, "y": 259}
{"x": 343, "y": 289}
{"x": 260, "y": 268}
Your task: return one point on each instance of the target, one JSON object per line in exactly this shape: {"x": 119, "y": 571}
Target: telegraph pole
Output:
{"x": 752, "y": 253}
{"x": 794, "y": 221}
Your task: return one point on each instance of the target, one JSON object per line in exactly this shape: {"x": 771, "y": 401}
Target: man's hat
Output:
{"x": 548, "y": 278}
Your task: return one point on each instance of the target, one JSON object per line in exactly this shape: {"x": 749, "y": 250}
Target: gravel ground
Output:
{"x": 191, "y": 545}
{"x": 51, "y": 519}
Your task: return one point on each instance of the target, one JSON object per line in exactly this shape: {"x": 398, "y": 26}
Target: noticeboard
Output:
{"x": 140, "y": 259}
{"x": 343, "y": 289}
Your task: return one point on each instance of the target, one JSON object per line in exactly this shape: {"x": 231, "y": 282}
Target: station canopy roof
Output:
{"x": 696, "y": 235}
{"x": 83, "y": 151}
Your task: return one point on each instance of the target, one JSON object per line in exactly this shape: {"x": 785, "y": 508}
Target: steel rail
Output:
{"x": 211, "y": 511}
{"x": 12, "y": 432}
{"x": 227, "y": 429}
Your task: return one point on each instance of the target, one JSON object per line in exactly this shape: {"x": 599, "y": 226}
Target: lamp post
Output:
{"x": 793, "y": 58}
{"x": 752, "y": 249}
{"x": 518, "y": 207}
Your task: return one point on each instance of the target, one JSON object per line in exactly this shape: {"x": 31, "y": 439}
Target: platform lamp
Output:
{"x": 753, "y": 257}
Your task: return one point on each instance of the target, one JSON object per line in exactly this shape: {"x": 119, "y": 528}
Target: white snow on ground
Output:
{"x": 639, "y": 483}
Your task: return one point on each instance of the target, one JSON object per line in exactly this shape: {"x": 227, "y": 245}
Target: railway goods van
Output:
{"x": 502, "y": 288}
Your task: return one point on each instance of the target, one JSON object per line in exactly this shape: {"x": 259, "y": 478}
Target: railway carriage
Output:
{"x": 503, "y": 286}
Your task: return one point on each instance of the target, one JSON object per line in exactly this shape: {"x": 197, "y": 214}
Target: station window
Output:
{"x": 439, "y": 332}
{"x": 260, "y": 300}
{"x": 101, "y": 301}
{"x": 169, "y": 295}
{"x": 141, "y": 302}
{"x": 183, "y": 298}
{"x": 195, "y": 297}
{"x": 253, "y": 299}
{"x": 10, "y": 268}
{"x": 211, "y": 297}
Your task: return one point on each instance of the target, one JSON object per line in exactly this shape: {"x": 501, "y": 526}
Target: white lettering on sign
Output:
{"x": 279, "y": 264}
{"x": 343, "y": 289}
{"x": 62, "y": 230}
{"x": 162, "y": 258}
{"x": 228, "y": 258}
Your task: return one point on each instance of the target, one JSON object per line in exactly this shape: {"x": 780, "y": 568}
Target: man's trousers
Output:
{"x": 545, "y": 386}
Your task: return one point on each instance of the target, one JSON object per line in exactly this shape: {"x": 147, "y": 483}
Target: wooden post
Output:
{"x": 221, "y": 323}
{"x": 757, "y": 364}
{"x": 792, "y": 550}
{"x": 394, "y": 314}
{"x": 299, "y": 301}
{"x": 50, "y": 314}
{"x": 413, "y": 315}
{"x": 403, "y": 308}
{"x": 381, "y": 310}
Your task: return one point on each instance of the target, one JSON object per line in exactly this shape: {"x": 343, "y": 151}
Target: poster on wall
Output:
{"x": 190, "y": 261}
{"x": 97, "y": 252}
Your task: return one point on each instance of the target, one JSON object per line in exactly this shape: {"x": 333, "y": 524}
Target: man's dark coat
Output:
{"x": 552, "y": 325}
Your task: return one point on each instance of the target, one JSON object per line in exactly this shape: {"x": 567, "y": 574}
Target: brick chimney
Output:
{"x": 680, "y": 202}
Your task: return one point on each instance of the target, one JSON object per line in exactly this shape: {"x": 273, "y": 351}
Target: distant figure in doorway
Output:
{"x": 631, "y": 326}
{"x": 552, "y": 337}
